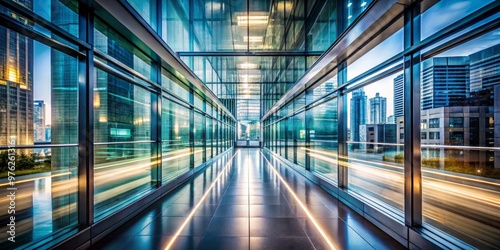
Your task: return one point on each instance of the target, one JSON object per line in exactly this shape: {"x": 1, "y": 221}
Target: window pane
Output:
{"x": 122, "y": 110}
{"x": 122, "y": 174}
{"x": 199, "y": 139}
{"x": 324, "y": 139}
{"x": 374, "y": 146}
{"x": 461, "y": 158}
{"x": 175, "y": 140}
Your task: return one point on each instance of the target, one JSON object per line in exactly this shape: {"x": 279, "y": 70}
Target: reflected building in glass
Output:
{"x": 16, "y": 84}
{"x": 378, "y": 109}
{"x": 445, "y": 81}
{"x": 398, "y": 97}
{"x": 39, "y": 120}
{"x": 358, "y": 114}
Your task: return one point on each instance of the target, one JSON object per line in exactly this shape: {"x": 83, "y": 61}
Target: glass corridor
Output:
{"x": 248, "y": 200}
{"x": 391, "y": 106}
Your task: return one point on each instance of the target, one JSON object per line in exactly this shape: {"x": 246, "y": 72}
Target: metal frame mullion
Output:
{"x": 155, "y": 127}
{"x": 412, "y": 152}
{"x": 191, "y": 129}
{"x": 307, "y": 128}
{"x": 85, "y": 205}
{"x": 342, "y": 173}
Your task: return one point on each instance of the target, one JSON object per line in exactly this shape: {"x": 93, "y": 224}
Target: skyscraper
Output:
{"x": 39, "y": 120}
{"x": 357, "y": 114}
{"x": 445, "y": 82}
{"x": 64, "y": 116}
{"x": 16, "y": 84}
{"x": 378, "y": 109}
{"x": 398, "y": 96}
{"x": 485, "y": 77}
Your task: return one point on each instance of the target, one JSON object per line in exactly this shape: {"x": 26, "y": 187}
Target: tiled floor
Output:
{"x": 248, "y": 208}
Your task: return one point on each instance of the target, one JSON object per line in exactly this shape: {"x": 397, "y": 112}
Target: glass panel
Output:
{"x": 173, "y": 84}
{"x": 108, "y": 41}
{"x": 199, "y": 139}
{"x": 38, "y": 104}
{"x": 375, "y": 154}
{"x": 147, "y": 10}
{"x": 122, "y": 174}
{"x": 461, "y": 157}
{"x": 446, "y": 12}
{"x": 175, "y": 140}
{"x": 198, "y": 102}
{"x": 299, "y": 121}
{"x": 122, "y": 110}
{"x": 324, "y": 139}
{"x": 43, "y": 200}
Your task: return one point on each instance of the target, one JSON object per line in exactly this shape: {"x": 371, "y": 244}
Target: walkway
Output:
{"x": 246, "y": 203}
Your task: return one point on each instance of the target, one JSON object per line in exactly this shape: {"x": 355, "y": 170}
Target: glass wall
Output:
{"x": 38, "y": 128}
{"x": 116, "y": 120}
{"x": 323, "y": 150}
{"x": 440, "y": 78}
{"x": 459, "y": 110}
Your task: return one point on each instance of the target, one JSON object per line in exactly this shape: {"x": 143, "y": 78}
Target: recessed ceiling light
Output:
{"x": 252, "y": 20}
{"x": 247, "y": 66}
{"x": 253, "y": 39}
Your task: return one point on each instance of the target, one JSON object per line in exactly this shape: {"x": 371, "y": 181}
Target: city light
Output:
{"x": 252, "y": 20}
{"x": 247, "y": 66}
{"x": 253, "y": 39}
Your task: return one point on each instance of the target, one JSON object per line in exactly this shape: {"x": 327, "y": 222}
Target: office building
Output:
{"x": 378, "y": 109}
{"x": 445, "y": 81}
{"x": 357, "y": 114}
{"x": 398, "y": 96}
{"x": 39, "y": 121}
{"x": 16, "y": 84}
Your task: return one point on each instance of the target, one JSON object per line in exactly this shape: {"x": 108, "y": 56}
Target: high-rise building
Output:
{"x": 48, "y": 132}
{"x": 378, "y": 109}
{"x": 64, "y": 116}
{"x": 357, "y": 114}
{"x": 39, "y": 120}
{"x": 445, "y": 82}
{"x": 391, "y": 119}
{"x": 398, "y": 96}
{"x": 16, "y": 83}
{"x": 485, "y": 78}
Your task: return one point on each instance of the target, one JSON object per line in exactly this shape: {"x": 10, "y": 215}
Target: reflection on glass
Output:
{"x": 375, "y": 152}
{"x": 299, "y": 121}
{"x": 45, "y": 197}
{"x": 122, "y": 111}
{"x": 199, "y": 138}
{"x": 461, "y": 155}
{"x": 209, "y": 137}
{"x": 324, "y": 139}
{"x": 175, "y": 140}
{"x": 122, "y": 172}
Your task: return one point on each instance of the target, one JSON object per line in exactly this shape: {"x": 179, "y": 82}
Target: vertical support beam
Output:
{"x": 412, "y": 151}
{"x": 204, "y": 132}
{"x": 156, "y": 138}
{"x": 191, "y": 129}
{"x": 286, "y": 137}
{"x": 307, "y": 127}
{"x": 86, "y": 118}
{"x": 342, "y": 173}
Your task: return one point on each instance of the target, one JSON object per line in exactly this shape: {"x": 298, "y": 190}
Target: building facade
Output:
{"x": 378, "y": 109}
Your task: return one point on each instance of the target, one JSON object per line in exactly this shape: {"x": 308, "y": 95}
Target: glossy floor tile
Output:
{"x": 241, "y": 203}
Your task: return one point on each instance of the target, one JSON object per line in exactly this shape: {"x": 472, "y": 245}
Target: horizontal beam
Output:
{"x": 250, "y": 53}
